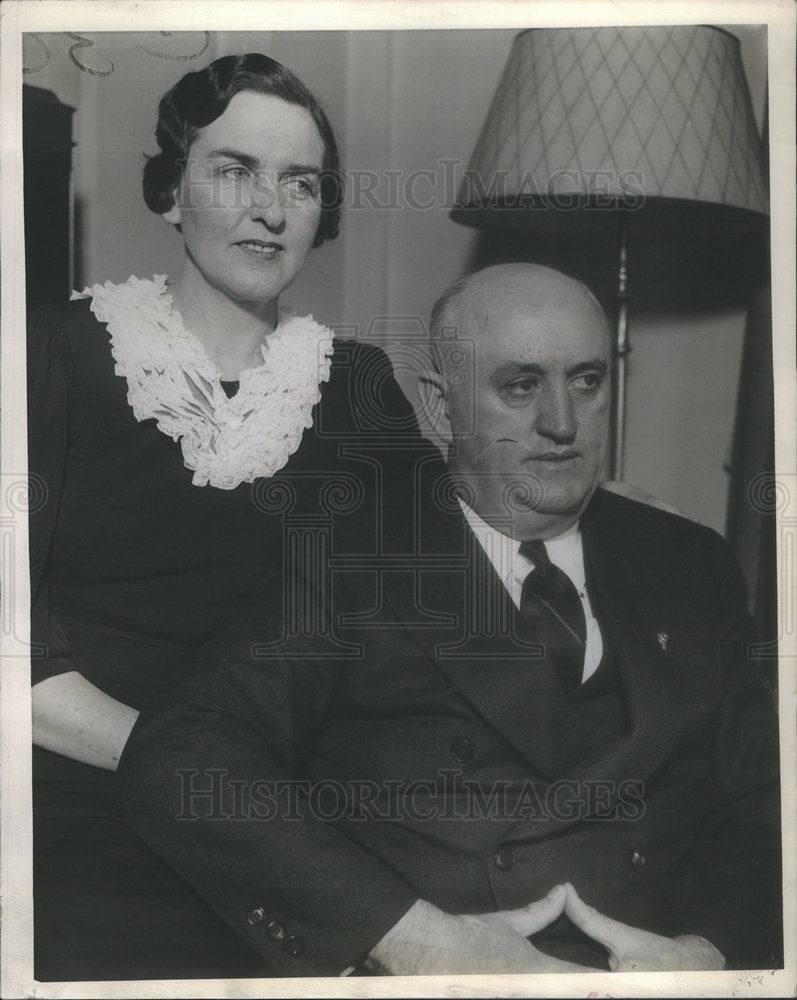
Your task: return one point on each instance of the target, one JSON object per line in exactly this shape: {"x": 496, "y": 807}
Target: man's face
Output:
{"x": 531, "y": 425}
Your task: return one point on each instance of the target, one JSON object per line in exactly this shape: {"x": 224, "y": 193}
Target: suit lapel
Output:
{"x": 666, "y": 681}
{"x": 501, "y": 675}
{"x": 640, "y": 614}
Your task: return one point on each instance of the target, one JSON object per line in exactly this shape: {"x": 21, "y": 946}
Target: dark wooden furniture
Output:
{"x": 47, "y": 146}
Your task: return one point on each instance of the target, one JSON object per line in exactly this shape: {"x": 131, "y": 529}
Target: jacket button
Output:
{"x": 256, "y": 916}
{"x": 463, "y": 751}
{"x": 275, "y": 930}
{"x": 293, "y": 945}
{"x": 505, "y": 859}
{"x": 638, "y": 861}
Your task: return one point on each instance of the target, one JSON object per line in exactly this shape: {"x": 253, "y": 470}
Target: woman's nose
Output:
{"x": 267, "y": 204}
{"x": 556, "y": 415}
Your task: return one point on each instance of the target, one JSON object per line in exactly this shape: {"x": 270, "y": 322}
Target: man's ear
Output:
{"x": 433, "y": 395}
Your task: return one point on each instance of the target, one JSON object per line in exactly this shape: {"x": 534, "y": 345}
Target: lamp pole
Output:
{"x": 622, "y": 349}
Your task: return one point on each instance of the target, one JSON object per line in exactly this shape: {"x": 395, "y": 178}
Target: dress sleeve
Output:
{"x": 363, "y": 398}
{"x": 380, "y": 403}
{"x": 50, "y": 390}
{"x": 366, "y": 430}
{"x": 412, "y": 467}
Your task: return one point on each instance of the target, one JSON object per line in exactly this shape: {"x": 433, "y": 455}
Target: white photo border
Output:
{"x": 18, "y": 16}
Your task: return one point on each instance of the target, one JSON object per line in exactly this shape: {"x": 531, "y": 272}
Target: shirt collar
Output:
{"x": 563, "y": 550}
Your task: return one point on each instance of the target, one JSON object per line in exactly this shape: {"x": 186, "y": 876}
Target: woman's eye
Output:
{"x": 302, "y": 187}
{"x": 235, "y": 173}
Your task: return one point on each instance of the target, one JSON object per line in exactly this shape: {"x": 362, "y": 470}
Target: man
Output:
{"x": 541, "y": 744}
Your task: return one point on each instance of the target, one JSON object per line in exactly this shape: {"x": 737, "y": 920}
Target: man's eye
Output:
{"x": 588, "y": 382}
{"x": 520, "y": 387}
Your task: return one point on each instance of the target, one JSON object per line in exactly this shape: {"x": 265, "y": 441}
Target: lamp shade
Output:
{"x": 655, "y": 123}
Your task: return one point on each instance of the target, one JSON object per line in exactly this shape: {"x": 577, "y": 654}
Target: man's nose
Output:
{"x": 268, "y": 204}
{"x": 556, "y": 415}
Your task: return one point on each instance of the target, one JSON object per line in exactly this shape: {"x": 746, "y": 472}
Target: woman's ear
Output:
{"x": 433, "y": 395}
{"x": 173, "y": 216}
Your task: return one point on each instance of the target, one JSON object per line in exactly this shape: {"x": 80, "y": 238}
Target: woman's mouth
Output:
{"x": 260, "y": 250}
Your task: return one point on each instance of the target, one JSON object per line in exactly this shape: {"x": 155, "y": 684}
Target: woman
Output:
{"x": 161, "y": 414}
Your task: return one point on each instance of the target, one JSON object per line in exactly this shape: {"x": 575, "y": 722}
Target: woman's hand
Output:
{"x": 74, "y": 718}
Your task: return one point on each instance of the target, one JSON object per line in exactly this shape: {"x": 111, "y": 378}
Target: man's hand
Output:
{"x": 427, "y": 941}
{"x": 634, "y": 950}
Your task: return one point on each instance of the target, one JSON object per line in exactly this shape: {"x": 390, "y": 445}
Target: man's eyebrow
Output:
{"x": 599, "y": 365}
{"x": 595, "y": 365}
{"x": 518, "y": 368}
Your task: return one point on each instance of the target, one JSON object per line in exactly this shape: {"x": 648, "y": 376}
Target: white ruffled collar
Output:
{"x": 225, "y": 441}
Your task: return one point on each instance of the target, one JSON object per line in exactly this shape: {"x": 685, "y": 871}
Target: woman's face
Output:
{"x": 248, "y": 202}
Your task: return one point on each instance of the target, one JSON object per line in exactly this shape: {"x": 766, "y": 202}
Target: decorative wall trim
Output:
{"x": 81, "y": 42}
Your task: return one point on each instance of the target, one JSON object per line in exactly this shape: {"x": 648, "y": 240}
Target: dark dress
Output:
{"x": 133, "y": 570}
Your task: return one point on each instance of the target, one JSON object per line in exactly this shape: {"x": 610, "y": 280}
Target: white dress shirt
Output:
{"x": 564, "y": 551}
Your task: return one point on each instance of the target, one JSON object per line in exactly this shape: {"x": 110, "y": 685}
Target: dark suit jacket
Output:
{"x": 425, "y": 752}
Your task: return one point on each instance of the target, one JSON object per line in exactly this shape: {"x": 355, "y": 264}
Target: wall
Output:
{"x": 401, "y": 102}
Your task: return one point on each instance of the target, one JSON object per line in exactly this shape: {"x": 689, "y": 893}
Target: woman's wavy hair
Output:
{"x": 199, "y": 98}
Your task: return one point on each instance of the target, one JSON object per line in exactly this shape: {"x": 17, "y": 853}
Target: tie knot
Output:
{"x": 535, "y": 552}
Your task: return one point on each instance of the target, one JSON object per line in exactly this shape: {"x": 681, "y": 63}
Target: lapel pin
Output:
{"x": 663, "y": 639}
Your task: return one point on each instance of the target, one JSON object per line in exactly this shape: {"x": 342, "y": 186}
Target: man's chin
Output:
{"x": 531, "y": 508}
{"x": 545, "y": 520}
{"x": 563, "y": 502}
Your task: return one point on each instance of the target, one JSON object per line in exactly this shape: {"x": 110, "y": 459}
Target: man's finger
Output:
{"x": 532, "y": 918}
{"x": 610, "y": 933}
{"x": 547, "y": 963}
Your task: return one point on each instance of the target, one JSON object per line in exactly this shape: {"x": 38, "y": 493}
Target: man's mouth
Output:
{"x": 555, "y": 456}
{"x": 261, "y": 250}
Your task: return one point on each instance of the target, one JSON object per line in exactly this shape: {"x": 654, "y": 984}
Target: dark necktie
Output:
{"x": 552, "y": 610}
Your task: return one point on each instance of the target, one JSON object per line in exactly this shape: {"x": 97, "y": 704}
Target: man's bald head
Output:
{"x": 457, "y": 313}
{"x": 524, "y": 355}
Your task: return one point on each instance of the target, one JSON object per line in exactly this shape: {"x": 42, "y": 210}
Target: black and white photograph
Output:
{"x": 398, "y": 499}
